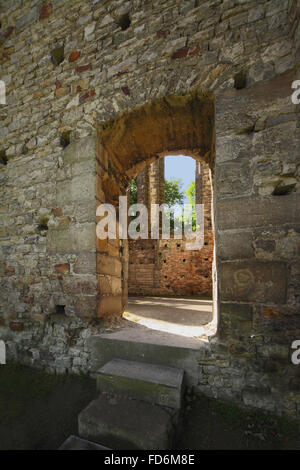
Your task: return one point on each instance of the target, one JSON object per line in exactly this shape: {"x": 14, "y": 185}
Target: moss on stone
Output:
{"x": 43, "y": 223}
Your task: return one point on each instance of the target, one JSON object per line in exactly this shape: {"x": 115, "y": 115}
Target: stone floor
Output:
{"x": 182, "y": 316}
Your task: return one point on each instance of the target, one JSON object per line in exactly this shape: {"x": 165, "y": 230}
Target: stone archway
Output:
{"x": 128, "y": 143}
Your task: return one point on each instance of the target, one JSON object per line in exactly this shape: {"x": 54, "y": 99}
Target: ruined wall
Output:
{"x": 247, "y": 54}
{"x": 165, "y": 267}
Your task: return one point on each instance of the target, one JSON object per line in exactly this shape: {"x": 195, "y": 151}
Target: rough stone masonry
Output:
{"x": 95, "y": 91}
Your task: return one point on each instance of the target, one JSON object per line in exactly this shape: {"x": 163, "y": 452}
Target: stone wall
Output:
{"x": 70, "y": 65}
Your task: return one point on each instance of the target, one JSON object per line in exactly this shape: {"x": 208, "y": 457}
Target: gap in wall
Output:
{"x": 170, "y": 286}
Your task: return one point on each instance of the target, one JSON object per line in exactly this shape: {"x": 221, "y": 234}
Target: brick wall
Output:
{"x": 165, "y": 267}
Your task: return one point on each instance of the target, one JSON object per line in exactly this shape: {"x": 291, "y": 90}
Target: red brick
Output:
{"x": 161, "y": 34}
{"x": 10, "y": 271}
{"x": 57, "y": 212}
{"x": 195, "y": 50}
{"x": 64, "y": 221}
{"x": 45, "y": 11}
{"x": 62, "y": 268}
{"x": 180, "y": 53}
{"x": 15, "y": 326}
{"x": 87, "y": 95}
{"x": 9, "y": 32}
{"x": 74, "y": 56}
{"x": 83, "y": 68}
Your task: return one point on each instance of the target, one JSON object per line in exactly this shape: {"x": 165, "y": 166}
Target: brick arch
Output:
{"x": 170, "y": 124}
{"x": 125, "y": 145}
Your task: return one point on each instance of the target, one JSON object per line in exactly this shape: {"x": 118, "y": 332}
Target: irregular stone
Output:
{"x": 28, "y": 18}
{"x": 155, "y": 384}
{"x": 121, "y": 423}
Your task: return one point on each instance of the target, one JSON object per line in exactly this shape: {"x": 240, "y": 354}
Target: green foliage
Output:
{"x": 174, "y": 195}
{"x": 173, "y": 192}
{"x": 191, "y": 192}
{"x": 191, "y": 195}
{"x": 133, "y": 192}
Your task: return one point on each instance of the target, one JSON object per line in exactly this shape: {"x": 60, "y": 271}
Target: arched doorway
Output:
{"x": 177, "y": 124}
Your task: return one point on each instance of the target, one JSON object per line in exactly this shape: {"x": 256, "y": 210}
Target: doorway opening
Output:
{"x": 135, "y": 146}
{"x": 169, "y": 285}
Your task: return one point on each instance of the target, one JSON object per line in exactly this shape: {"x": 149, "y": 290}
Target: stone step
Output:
{"x": 153, "y": 383}
{"x": 148, "y": 346}
{"x": 123, "y": 424}
{"x": 76, "y": 443}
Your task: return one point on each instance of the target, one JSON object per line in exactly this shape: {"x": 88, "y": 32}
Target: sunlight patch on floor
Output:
{"x": 184, "y": 317}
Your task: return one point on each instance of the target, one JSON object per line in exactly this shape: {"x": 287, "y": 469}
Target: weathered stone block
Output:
{"x": 28, "y": 18}
{"x": 253, "y": 281}
{"x": 59, "y": 241}
{"x": 235, "y": 320}
{"x": 83, "y": 167}
{"x": 109, "y": 285}
{"x": 235, "y": 245}
{"x": 240, "y": 312}
{"x": 107, "y": 246}
{"x": 73, "y": 239}
{"x": 84, "y": 212}
{"x": 83, "y": 149}
{"x": 110, "y": 306}
{"x": 233, "y": 179}
{"x": 151, "y": 383}
{"x": 86, "y": 306}
{"x": 108, "y": 265}
{"x": 232, "y": 147}
{"x": 259, "y": 398}
{"x": 126, "y": 424}
{"x": 274, "y": 351}
{"x": 85, "y": 263}
{"x": 84, "y": 237}
{"x": 80, "y": 188}
{"x": 258, "y": 212}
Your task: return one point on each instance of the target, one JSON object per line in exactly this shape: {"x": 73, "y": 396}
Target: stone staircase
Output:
{"x": 138, "y": 406}
{"x": 139, "y": 401}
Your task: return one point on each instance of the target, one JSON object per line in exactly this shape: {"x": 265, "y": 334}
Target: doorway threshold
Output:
{"x": 183, "y": 317}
